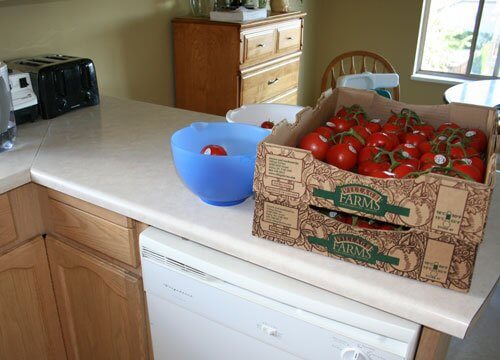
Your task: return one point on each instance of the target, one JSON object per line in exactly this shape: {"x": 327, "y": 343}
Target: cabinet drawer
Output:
{"x": 7, "y": 227}
{"x": 258, "y": 46}
{"x": 290, "y": 37}
{"x": 95, "y": 232}
{"x": 269, "y": 82}
{"x": 289, "y": 98}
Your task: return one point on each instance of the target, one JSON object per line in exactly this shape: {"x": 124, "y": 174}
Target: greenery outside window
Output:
{"x": 458, "y": 41}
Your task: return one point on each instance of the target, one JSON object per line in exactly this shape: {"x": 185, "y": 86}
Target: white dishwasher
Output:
{"x": 207, "y": 305}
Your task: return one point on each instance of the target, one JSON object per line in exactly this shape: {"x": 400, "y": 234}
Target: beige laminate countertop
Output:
{"x": 15, "y": 164}
{"x": 117, "y": 156}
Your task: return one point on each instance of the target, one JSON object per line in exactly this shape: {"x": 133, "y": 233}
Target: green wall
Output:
{"x": 130, "y": 40}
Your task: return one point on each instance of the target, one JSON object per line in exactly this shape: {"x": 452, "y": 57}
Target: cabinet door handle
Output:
{"x": 261, "y": 45}
{"x": 270, "y": 82}
{"x": 289, "y": 38}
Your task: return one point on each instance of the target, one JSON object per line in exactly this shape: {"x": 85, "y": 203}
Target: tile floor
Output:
{"x": 483, "y": 340}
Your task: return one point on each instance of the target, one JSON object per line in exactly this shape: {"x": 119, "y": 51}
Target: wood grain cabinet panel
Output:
{"x": 101, "y": 306}
{"x": 289, "y": 97}
{"x": 259, "y": 45}
{"x": 290, "y": 37}
{"x": 95, "y": 232}
{"x": 7, "y": 227}
{"x": 213, "y": 60}
{"x": 269, "y": 82}
{"x": 20, "y": 216}
{"x": 29, "y": 322}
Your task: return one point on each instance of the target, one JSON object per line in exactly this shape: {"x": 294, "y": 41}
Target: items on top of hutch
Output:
{"x": 280, "y": 5}
{"x": 221, "y": 66}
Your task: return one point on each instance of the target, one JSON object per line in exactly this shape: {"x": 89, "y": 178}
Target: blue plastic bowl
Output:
{"x": 217, "y": 180}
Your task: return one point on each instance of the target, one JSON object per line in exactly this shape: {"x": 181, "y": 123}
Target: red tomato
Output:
{"x": 406, "y": 151}
{"x": 345, "y": 218}
{"x": 362, "y": 131}
{"x": 413, "y": 162}
{"x": 385, "y": 226}
{"x": 442, "y": 143}
{"x": 476, "y": 139}
{"x": 215, "y": 150}
{"x": 394, "y": 137}
{"x": 447, "y": 125}
{"x": 403, "y": 170}
{"x": 369, "y": 166}
{"x": 343, "y": 156}
{"x": 405, "y": 119}
{"x": 414, "y": 138}
{"x": 433, "y": 159}
{"x": 340, "y": 124}
{"x": 325, "y": 131}
{"x": 353, "y": 141}
{"x": 427, "y": 166}
{"x": 343, "y": 111}
{"x": 392, "y": 128}
{"x": 425, "y": 147}
{"x": 380, "y": 140}
{"x": 267, "y": 124}
{"x": 358, "y": 114}
{"x": 427, "y": 130}
{"x": 369, "y": 153}
{"x": 316, "y": 144}
{"x": 382, "y": 174}
{"x": 478, "y": 164}
{"x": 458, "y": 152}
{"x": 373, "y": 126}
{"x": 367, "y": 224}
{"x": 474, "y": 161}
{"x": 469, "y": 171}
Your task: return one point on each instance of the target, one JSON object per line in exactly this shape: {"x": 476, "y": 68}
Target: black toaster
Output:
{"x": 62, "y": 83}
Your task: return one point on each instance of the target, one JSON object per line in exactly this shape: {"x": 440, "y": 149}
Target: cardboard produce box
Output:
{"x": 446, "y": 215}
{"x": 431, "y": 202}
{"x": 442, "y": 260}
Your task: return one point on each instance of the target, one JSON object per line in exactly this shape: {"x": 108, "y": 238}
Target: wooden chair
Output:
{"x": 357, "y": 62}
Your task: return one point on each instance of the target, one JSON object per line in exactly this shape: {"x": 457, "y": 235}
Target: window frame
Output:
{"x": 444, "y": 77}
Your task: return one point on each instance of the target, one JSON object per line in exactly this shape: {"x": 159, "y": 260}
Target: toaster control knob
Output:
{"x": 89, "y": 97}
{"x": 62, "y": 103}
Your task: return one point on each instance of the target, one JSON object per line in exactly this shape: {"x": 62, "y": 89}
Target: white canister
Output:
{"x": 7, "y": 119}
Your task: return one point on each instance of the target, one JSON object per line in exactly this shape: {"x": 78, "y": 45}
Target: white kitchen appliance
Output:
{"x": 24, "y": 99}
{"x": 7, "y": 119}
{"x": 204, "y": 305}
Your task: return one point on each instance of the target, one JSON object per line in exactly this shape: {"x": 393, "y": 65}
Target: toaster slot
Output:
{"x": 58, "y": 57}
{"x": 28, "y": 63}
{"x": 40, "y": 61}
{"x": 59, "y": 82}
{"x": 85, "y": 77}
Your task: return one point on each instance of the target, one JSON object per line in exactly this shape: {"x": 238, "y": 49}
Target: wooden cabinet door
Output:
{"x": 101, "y": 306}
{"x": 29, "y": 323}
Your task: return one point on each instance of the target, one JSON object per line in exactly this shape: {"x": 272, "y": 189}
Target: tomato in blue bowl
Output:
{"x": 221, "y": 180}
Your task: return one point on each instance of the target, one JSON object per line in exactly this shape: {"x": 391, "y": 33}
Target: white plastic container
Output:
{"x": 368, "y": 81}
{"x": 256, "y": 114}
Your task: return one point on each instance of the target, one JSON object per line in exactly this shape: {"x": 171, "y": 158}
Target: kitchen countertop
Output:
{"x": 117, "y": 156}
{"x": 15, "y": 164}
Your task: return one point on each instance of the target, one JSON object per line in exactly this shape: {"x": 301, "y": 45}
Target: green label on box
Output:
{"x": 354, "y": 247}
{"x": 361, "y": 198}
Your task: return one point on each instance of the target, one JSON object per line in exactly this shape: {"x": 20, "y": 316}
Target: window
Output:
{"x": 458, "y": 40}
